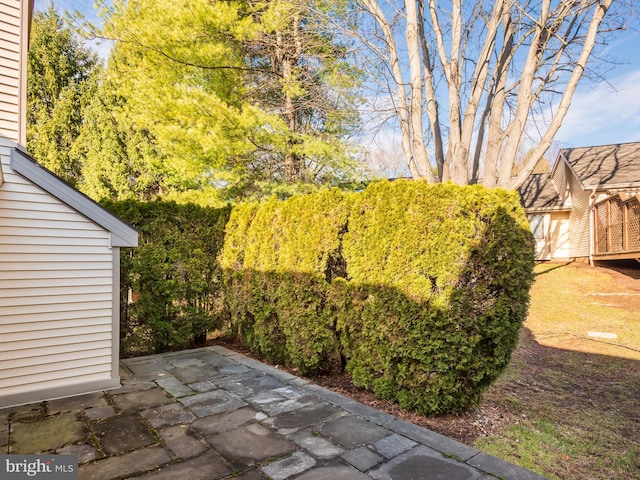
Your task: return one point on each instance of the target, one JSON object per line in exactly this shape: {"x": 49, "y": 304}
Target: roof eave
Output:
{"x": 122, "y": 234}
{"x": 561, "y": 208}
{"x": 610, "y": 186}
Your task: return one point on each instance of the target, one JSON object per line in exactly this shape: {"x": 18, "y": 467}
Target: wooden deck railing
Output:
{"x": 617, "y": 228}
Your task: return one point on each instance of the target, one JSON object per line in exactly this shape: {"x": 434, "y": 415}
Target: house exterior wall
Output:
{"x": 579, "y": 221}
{"x": 59, "y": 257}
{"x": 13, "y": 37}
{"x": 560, "y": 181}
{"x": 551, "y": 234}
{"x": 559, "y": 243}
{"x": 539, "y": 224}
{"x": 58, "y": 296}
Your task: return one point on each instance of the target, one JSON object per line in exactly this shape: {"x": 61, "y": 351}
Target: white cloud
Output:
{"x": 605, "y": 113}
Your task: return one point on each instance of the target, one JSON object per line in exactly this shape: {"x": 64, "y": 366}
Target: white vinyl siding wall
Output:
{"x": 579, "y": 228}
{"x": 10, "y": 79}
{"x": 560, "y": 180}
{"x": 56, "y": 294}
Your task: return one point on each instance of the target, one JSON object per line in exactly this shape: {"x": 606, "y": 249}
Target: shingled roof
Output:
{"x": 538, "y": 192}
{"x": 605, "y": 164}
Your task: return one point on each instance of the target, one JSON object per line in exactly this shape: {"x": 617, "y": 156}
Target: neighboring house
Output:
{"x": 59, "y": 258}
{"x": 588, "y": 205}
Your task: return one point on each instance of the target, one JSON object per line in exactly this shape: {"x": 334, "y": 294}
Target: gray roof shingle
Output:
{"x": 538, "y": 192}
{"x": 605, "y": 164}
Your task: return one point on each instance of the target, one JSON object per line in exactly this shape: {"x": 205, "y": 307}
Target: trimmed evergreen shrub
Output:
{"x": 275, "y": 260}
{"x": 420, "y": 290}
{"x": 439, "y": 279}
{"x": 171, "y": 283}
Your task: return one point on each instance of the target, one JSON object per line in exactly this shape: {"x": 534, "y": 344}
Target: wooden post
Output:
{"x": 608, "y": 248}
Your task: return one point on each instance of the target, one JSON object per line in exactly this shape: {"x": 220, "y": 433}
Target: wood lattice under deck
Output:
{"x": 617, "y": 228}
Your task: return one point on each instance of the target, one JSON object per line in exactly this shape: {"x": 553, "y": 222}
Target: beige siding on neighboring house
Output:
{"x": 579, "y": 228}
{"x": 560, "y": 181}
{"x": 559, "y": 235}
{"x": 57, "y": 296}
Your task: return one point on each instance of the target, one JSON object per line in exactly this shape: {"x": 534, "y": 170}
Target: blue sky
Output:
{"x": 601, "y": 113}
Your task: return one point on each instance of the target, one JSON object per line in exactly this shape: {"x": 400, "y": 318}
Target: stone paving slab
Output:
{"x": 425, "y": 463}
{"x": 362, "y": 458}
{"x": 352, "y": 431}
{"x": 502, "y": 469}
{"x": 207, "y": 466}
{"x": 334, "y": 473}
{"x": 174, "y": 387}
{"x": 47, "y": 434}
{"x": 224, "y": 421}
{"x": 210, "y": 403}
{"x": 123, "y": 433}
{"x": 182, "y": 442}
{"x": 250, "y": 444}
{"x": 296, "y": 463}
{"x": 211, "y": 413}
{"x": 316, "y": 445}
{"x": 171, "y": 414}
{"x": 123, "y": 466}
{"x": 142, "y": 399}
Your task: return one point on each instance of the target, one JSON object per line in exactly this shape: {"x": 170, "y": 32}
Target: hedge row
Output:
{"x": 171, "y": 284}
{"x": 419, "y": 290}
{"x": 275, "y": 258}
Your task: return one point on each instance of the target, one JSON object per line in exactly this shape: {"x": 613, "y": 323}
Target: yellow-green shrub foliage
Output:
{"x": 420, "y": 288}
{"x": 275, "y": 262}
{"x": 439, "y": 279}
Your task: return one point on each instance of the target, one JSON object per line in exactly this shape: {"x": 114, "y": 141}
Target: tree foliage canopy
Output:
{"x": 232, "y": 91}
{"x": 59, "y": 83}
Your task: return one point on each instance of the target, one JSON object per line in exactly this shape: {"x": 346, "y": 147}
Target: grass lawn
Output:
{"x": 569, "y": 403}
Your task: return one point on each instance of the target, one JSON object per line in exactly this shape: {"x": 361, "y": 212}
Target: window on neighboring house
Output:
{"x": 536, "y": 223}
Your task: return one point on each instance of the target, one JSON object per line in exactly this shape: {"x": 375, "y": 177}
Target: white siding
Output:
{"x": 11, "y": 75}
{"x": 56, "y": 295}
{"x": 579, "y": 229}
{"x": 560, "y": 180}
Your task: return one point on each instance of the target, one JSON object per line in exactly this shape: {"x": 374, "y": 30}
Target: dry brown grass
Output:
{"x": 572, "y": 400}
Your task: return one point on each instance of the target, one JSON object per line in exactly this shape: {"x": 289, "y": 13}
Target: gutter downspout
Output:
{"x": 592, "y": 223}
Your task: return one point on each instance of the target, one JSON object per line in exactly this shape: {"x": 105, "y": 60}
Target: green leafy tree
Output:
{"x": 59, "y": 82}
{"x": 117, "y": 158}
{"x": 204, "y": 80}
{"x": 309, "y": 82}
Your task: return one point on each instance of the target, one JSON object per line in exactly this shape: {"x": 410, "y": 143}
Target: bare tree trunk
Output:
{"x": 496, "y": 104}
{"x": 415, "y": 94}
{"x": 287, "y": 56}
{"x": 430, "y": 93}
{"x": 496, "y": 63}
{"x": 402, "y": 109}
{"x": 590, "y": 40}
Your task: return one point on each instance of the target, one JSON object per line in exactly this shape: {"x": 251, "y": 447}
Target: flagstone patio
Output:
{"x": 212, "y": 413}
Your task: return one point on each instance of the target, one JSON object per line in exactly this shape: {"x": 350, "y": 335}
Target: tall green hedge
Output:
{"x": 439, "y": 280}
{"x": 171, "y": 283}
{"x": 276, "y": 256}
{"x": 418, "y": 290}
